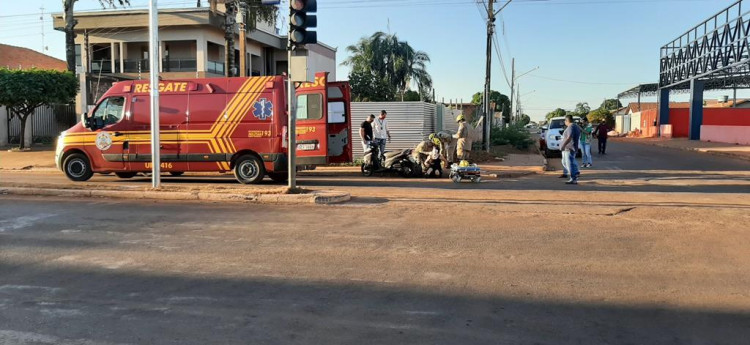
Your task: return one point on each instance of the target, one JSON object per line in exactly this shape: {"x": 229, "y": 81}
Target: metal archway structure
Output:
{"x": 714, "y": 54}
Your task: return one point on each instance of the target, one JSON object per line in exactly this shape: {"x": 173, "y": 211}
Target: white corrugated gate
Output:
{"x": 449, "y": 119}
{"x": 409, "y": 122}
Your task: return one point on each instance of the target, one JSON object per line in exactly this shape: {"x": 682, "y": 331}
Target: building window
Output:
{"x": 310, "y": 107}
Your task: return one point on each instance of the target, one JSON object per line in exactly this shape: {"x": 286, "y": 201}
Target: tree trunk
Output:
{"x": 229, "y": 21}
{"x": 23, "y": 118}
{"x": 70, "y": 36}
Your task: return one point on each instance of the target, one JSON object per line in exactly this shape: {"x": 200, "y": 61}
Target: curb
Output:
{"x": 320, "y": 198}
{"x": 697, "y": 149}
{"x": 515, "y": 174}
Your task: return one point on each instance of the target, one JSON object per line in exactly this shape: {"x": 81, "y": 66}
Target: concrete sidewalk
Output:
{"x": 514, "y": 165}
{"x": 37, "y": 159}
{"x": 722, "y": 149}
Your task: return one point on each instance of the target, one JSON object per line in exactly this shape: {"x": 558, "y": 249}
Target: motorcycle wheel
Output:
{"x": 455, "y": 177}
{"x": 407, "y": 169}
{"x": 367, "y": 170}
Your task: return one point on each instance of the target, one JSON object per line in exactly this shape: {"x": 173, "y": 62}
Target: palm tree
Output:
{"x": 70, "y": 24}
{"x": 387, "y": 58}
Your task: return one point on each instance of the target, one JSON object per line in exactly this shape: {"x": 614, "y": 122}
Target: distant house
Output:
{"x": 13, "y": 57}
{"x": 47, "y": 122}
{"x": 642, "y": 117}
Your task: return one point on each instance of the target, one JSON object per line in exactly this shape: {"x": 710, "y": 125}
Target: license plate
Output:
{"x": 306, "y": 147}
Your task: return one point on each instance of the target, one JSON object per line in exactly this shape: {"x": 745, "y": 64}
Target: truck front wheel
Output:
{"x": 77, "y": 167}
{"x": 248, "y": 169}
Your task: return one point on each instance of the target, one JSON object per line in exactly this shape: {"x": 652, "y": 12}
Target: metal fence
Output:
{"x": 46, "y": 123}
{"x": 409, "y": 122}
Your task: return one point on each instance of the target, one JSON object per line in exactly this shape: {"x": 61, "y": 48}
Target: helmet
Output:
{"x": 463, "y": 164}
{"x": 460, "y": 118}
{"x": 431, "y": 137}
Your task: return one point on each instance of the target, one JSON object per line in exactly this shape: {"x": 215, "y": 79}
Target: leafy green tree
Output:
{"x": 70, "y": 24}
{"x": 367, "y": 87}
{"x": 22, "y": 91}
{"x": 392, "y": 61}
{"x": 496, "y": 97}
{"x": 525, "y": 119}
{"x": 611, "y": 104}
{"x": 556, "y": 113}
{"x": 411, "y": 96}
{"x": 582, "y": 109}
{"x": 601, "y": 115}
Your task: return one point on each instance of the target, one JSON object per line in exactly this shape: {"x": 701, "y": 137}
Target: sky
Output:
{"x": 585, "y": 50}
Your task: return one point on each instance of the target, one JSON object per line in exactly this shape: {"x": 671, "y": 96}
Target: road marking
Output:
{"x": 23, "y": 221}
{"x": 21, "y": 338}
{"x": 4, "y": 288}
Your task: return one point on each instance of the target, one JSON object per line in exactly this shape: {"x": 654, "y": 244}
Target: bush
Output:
{"x": 515, "y": 135}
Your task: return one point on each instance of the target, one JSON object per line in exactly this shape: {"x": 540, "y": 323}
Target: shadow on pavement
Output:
{"x": 107, "y": 306}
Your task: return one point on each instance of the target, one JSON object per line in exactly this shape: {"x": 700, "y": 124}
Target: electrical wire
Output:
{"x": 577, "y": 81}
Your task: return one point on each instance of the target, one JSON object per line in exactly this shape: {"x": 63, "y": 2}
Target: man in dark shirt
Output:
{"x": 601, "y": 134}
{"x": 365, "y": 132}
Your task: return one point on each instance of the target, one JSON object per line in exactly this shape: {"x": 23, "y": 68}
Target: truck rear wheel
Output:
{"x": 77, "y": 167}
{"x": 248, "y": 169}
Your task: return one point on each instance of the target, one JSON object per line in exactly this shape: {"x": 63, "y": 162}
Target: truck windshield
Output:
{"x": 110, "y": 110}
{"x": 557, "y": 124}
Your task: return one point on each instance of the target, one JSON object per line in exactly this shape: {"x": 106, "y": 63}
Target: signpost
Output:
{"x": 153, "y": 43}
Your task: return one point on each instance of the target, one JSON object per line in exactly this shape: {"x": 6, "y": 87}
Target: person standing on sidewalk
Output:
{"x": 365, "y": 132}
{"x": 586, "y": 135}
{"x": 602, "y": 133}
{"x": 380, "y": 131}
{"x": 569, "y": 148}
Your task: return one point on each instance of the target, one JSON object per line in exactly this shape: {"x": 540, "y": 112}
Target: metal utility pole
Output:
{"x": 153, "y": 44}
{"x": 241, "y": 17}
{"x": 512, "y": 86}
{"x": 488, "y": 71}
{"x": 489, "y": 113}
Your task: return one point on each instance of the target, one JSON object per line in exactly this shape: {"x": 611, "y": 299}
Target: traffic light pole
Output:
{"x": 291, "y": 121}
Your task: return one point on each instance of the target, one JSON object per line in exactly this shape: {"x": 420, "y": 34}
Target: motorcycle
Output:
{"x": 400, "y": 162}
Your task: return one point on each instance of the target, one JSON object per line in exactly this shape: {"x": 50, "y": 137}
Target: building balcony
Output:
{"x": 179, "y": 65}
{"x": 215, "y": 67}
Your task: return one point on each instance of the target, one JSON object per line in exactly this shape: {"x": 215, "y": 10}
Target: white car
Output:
{"x": 553, "y": 135}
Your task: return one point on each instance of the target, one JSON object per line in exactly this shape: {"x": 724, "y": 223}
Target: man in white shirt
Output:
{"x": 380, "y": 131}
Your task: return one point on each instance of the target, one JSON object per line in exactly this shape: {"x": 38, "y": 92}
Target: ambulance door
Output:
{"x": 312, "y": 129}
{"x": 110, "y": 147}
{"x": 339, "y": 123}
{"x": 206, "y": 119}
{"x": 172, "y": 125}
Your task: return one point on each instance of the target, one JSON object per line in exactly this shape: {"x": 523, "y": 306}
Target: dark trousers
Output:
{"x": 602, "y": 145}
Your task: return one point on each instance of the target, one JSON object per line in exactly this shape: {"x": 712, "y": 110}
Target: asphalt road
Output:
{"x": 651, "y": 248}
{"x": 113, "y": 272}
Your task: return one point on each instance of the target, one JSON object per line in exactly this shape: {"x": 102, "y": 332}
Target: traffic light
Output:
{"x": 301, "y": 21}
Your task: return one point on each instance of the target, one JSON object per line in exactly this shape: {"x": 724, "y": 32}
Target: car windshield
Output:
{"x": 557, "y": 124}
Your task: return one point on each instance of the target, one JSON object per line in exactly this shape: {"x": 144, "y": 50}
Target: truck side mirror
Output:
{"x": 84, "y": 121}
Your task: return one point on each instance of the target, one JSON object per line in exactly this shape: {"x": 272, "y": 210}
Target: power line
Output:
{"x": 578, "y": 81}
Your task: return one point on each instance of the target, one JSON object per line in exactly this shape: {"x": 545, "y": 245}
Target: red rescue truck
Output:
{"x": 213, "y": 124}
